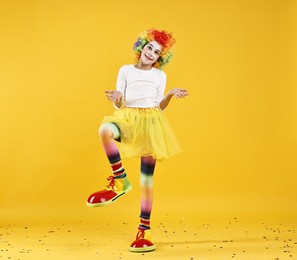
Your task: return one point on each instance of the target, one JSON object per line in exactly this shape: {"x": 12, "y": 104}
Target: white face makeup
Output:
{"x": 150, "y": 53}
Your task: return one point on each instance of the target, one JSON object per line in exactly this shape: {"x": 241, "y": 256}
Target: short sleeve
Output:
{"x": 161, "y": 88}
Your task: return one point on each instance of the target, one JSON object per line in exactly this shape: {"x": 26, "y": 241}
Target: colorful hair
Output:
{"x": 163, "y": 38}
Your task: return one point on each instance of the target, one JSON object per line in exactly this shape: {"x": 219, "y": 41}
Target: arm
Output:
{"x": 116, "y": 96}
{"x": 177, "y": 92}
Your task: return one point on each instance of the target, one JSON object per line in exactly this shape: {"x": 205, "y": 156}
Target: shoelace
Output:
{"x": 140, "y": 234}
{"x": 111, "y": 183}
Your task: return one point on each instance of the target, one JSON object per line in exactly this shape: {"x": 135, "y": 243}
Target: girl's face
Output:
{"x": 150, "y": 53}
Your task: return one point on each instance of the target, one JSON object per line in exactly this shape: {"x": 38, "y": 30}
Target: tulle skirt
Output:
{"x": 144, "y": 132}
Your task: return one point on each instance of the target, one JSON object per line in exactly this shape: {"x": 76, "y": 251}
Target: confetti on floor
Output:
{"x": 175, "y": 239}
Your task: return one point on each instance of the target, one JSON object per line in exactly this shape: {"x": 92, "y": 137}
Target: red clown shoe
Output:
{"x": 143, "y": 242}
{"x": 115, "y": 189}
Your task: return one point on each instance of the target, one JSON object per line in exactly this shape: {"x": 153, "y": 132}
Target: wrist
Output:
{"x": 170, "y": 94}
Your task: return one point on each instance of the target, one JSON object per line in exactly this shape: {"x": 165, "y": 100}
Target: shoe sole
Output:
{"x": 102, "y": 204}
{"x": 142, "y": 249}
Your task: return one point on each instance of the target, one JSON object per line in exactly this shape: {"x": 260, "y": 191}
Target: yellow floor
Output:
{"x": 176, "y": 238}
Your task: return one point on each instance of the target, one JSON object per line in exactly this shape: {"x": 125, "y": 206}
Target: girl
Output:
{"x": 140, "y": 127}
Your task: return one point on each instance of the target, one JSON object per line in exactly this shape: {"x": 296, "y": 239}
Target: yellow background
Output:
{"x": 238, "y": 127}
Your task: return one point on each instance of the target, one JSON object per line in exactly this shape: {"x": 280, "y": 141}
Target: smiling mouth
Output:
{"x": 148, "y": 57}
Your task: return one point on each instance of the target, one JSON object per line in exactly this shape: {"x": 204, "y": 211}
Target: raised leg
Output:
{"x": 118, "y": 182}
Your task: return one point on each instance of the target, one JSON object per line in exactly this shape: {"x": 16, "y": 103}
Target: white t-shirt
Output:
{"x": 141, "y": 88}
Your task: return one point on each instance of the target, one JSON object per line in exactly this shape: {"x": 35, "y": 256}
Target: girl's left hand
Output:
{"x": 178, "y": 92}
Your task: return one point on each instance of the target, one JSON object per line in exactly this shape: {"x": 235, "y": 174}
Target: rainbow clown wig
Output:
{"x": 163, "y": 38}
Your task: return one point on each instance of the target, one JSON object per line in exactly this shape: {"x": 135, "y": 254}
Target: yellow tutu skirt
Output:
{"x": 144, "y": 132}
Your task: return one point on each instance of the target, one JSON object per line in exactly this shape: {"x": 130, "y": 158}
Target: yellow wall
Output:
{"x": 238, "y": 127}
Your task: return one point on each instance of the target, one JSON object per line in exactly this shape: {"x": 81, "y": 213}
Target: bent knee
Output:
{"x": 103, "y": 130}
{"x": 108, "y": 131}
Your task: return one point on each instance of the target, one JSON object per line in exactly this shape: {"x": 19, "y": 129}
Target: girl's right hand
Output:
{"x": 114, "y": 95}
